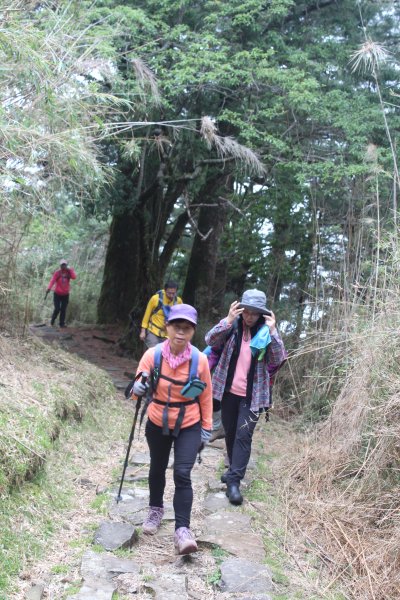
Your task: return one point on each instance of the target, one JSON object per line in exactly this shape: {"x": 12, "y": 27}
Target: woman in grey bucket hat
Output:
{"x": 241, "y": 382}
{"x": 256, "y": 301}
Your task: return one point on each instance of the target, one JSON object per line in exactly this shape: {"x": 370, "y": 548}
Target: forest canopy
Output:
{"x": 225, "y": 145}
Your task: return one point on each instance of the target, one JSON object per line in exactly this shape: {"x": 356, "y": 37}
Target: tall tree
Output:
{"x": 311, "y": 120}
{"x": 276, "y": 76}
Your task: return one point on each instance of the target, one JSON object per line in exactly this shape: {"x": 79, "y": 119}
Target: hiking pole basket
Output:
{"x": 135, "y": 418}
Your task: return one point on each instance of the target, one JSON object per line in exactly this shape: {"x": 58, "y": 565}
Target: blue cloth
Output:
{"x": 166, "y": 310}
{"x": 260, "y": 342}
{"x": 205, "y": 435}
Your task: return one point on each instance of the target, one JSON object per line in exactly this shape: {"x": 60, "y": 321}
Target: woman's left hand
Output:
{"x": 271, "y": 322}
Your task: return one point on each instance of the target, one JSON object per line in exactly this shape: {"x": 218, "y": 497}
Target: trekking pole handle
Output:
{"x": 143, "y": 381}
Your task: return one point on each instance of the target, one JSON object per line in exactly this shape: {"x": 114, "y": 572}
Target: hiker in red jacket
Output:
{"x": 60, "y": 283}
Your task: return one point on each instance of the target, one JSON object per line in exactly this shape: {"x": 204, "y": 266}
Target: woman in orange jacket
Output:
{"x": 177, "y": 417}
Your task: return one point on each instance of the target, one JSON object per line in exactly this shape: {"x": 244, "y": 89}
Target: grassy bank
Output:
{"x": 297, "y": 573}
{"x": 58, "y": 420}
{"x": 345, "y": 486}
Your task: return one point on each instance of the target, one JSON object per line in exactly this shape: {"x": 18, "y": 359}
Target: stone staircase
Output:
{"x": 230, "y": 560}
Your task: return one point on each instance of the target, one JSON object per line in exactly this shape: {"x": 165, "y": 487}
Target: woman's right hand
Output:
{"x": 140, "y": 385}
{"x": 234, "y": 312}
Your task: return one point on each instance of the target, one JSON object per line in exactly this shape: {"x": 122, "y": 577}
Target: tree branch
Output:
{"x": 229, "y": 203}
{"x": 173, "y": 240}
{"x": 202, "y": 163}
{"x": 319, "y": 4}
{"x": 202, "y": 236}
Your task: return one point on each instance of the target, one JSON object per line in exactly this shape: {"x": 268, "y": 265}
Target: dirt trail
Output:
{"x": 97, "y": 345}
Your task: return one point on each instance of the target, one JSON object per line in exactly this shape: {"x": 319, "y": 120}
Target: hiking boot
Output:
{"x": 152, "y": 522}
{"x": 234, "y": 495}
{"x": 218, "y": 434}
{"x": 184, "y": 541}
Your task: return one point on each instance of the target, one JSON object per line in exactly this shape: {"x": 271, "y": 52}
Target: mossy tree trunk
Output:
{"x": 129, "y": 274}
{"x": 200, "y": 279}
{"x": 143, "y": 236}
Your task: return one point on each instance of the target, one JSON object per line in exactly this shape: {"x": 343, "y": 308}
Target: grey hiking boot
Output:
{"x": 184, "y": 541}
{"x": 152, "y": 522}
{"x": 217, "y": 434}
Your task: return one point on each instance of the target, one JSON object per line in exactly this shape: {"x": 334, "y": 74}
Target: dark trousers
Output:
{"x": 186, "y": 446}
{"x": 60, "y": 306}
{"x": 239, "y": 423}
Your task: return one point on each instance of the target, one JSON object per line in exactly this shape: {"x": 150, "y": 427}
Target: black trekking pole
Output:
{"x": 199, "y": 451}
{"x": 135, "y": 418}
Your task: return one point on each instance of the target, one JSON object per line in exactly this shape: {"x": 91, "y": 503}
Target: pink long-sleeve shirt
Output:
{"x": 239, "y": 382}
{"x": 60, "y": 280}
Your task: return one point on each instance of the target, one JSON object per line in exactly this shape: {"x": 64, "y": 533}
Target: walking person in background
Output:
{"x": 60, "y": 281}
{"x": 153, "y": 329}
{"x": 241, "y": 380}
{"x": 179, "y": 415}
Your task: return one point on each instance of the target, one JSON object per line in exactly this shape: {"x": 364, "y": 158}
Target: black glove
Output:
{"x": 46, "y": 294}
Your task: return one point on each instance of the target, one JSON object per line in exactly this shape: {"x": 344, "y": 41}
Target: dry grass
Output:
{"x": 146, "y": 79}
{"x": 228, "y": 148}
{"x": 345, "y": 489}
{"x": 369, "y": 56}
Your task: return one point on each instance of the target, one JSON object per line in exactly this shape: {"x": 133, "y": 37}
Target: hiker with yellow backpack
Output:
{"x": 179, "y": 416}
{"x": 153, "y": 329}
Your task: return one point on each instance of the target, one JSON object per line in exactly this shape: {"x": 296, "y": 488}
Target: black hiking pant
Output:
{"x": 60, "y": 307}
{"x": 239, "y": 423}
{"x": 186, "y": 446}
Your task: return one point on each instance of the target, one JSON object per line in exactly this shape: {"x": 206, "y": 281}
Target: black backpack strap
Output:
{"x": 155, "y": 377}
{"x": 181, "y": 414}
{"x": 182, "y": 409}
